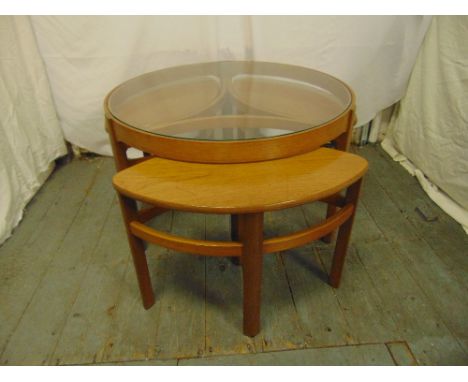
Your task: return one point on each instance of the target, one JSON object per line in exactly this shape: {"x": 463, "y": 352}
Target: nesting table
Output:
{"x": 238, "y": 138}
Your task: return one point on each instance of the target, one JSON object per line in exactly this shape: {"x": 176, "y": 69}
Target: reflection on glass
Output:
{"x": 230, "y": 100}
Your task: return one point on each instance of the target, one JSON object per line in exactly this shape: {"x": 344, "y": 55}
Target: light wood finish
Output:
{"x": 148, "y": 213}
{"x": 242, "y": 177}
{"x": 309, "y": 234}
{"x": 223, "y": 314}
{"x": 169, "y": 102}
{"x": 342, "y": 142}
{"x": 268, "y": 95}
{"x": 235, "y": 151}
{"x": 344, "y": 234}
{"x": 134, "y": 161}
{"x": 168, "y": 106}
{"x": 234, "y": 248}
{"x": 119, "y": 149}
{"x": 331, "y": 210}
{"x": 149, "y": 111}
{"x": 245, "y": 191}
{"x": 202, "y": 247}
{"x": 241, "y": 188}
{"x": 137, "y": 247}
{"x": 251, "y": 236}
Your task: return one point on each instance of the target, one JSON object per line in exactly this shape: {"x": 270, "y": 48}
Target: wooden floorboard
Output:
{"x": 415, "y": 319}
{"x": 428, "y": 281}
{"x": 69, "y": 294}
{"x": 317, "y": 306}
{"x": 361, "y": 304}
{"x": 401, "y": 353}
{"x": 440, "y": 232}
{"x": 26, "y": 267}
{"x": 61, "y": 280}
{"x": 85, "y": 335}
{"x": 152, "y": 362}
{"x": 341, "y": 355}
{"x": 130, "y": 330}
{"x": 20, "y": 258}
{"x": 181, "y": 325}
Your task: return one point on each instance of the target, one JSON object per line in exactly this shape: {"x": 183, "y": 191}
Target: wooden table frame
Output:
{"x": 247, "y": 242}
{"x": 249, "y": 247}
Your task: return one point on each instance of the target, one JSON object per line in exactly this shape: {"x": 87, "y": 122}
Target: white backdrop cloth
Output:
{"x": 30, "y": 135}
{"x": 429, "y": 132}
{"x": 86, "y": 56}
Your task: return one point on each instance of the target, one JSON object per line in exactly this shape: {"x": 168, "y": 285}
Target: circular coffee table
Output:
{"x": 231, "y": 112}
{"x": 238, "y": 138}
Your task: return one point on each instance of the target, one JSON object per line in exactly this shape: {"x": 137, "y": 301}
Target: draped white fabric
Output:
{"x": 87, "y": 56}
{"x": 429, "y": 132}
{"x": 30, "y": 135}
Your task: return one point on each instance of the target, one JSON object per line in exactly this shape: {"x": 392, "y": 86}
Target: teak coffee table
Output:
{"x": 238, "y": 138}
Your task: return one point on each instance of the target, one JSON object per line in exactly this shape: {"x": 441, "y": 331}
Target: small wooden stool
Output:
{"x": 244, "y": 190}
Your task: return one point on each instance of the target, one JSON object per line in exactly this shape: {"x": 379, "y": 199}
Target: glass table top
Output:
{"x": 229, "y": 100}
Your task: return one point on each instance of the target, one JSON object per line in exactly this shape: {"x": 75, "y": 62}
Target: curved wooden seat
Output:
{"x": 241, "y": 187}
{"x": 246, "y": 190}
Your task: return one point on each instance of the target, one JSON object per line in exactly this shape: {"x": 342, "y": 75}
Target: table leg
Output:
{"x": 344, "y": 234}
{"x": 331, "y": 210}
{"x": 235, "y": 236}
{"x": 251, "y": 232}
{"x": 137, "y": 247}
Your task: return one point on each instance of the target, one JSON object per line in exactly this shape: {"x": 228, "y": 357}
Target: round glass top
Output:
{"x": 229, "y": 100}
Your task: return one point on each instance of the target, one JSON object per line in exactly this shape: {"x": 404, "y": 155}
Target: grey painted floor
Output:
{"x": 68, "y": 293}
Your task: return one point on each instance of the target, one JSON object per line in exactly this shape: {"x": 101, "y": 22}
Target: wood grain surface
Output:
{"x": 244, "y": 187}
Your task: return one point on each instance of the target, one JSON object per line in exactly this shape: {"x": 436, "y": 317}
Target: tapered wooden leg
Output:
{"x": 234, "y": 227}
{"x": 137, "y": 247}
{"x": 344, "y": 234}
{"x": 331, "y": 210}
{"x": 251, "y": 232}
{"x": 235, "y": 236}
{"x": 341, "y": 143}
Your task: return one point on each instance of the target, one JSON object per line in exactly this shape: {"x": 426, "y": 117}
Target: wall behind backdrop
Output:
{"x": 56, "y": 70}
